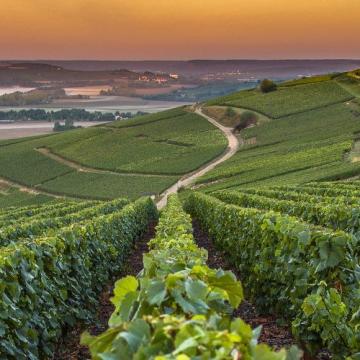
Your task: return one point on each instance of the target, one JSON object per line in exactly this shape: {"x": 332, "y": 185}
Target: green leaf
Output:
{"x": 122, "y": 287}
{"x": 332, "y": 252}
{"x": 156, "y": 292}
{"x": 196, "y": 289}
{"x": 138, "y": 332}
{"x": 263, "y": 352}
{"x": 227, "y": 282}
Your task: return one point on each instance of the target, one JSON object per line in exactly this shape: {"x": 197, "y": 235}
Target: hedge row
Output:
{"x": 178, "y": 308}
{"x": 305, "y": 273}
{"x": 52, "y": 282}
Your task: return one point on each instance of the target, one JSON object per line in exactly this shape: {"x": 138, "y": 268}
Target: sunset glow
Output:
{"x": 179, "y": 29}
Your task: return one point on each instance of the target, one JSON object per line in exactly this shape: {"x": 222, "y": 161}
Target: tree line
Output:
{"x": 64, "y": 114}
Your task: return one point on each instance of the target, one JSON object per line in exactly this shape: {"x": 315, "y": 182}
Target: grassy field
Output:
{"x": 306, "y": 146}
{"x": 168, "y": 144}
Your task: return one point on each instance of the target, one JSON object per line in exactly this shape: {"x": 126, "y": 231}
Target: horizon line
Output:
{"x": 186, "y": 60}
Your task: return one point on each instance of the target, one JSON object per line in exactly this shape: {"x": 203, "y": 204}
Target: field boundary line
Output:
{"x": 87, "y": 169}
{"x": 32, "y": 190}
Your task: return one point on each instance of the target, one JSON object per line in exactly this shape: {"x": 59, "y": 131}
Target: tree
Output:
{"x": 247, "y": 118}
{"x": 69, "y": 123}
{"x": 267, "y": 86}
{"x": 57, "y": 126}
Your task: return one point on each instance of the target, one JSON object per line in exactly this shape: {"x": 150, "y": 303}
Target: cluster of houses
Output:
{"x": 158, "y": 78}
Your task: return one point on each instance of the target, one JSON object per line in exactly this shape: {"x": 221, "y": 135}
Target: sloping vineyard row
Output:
{"x": 178, "y": 308}
{"x": 53, "y": 281}
{"x": 336, "y": 216}
{"x": 306, "y": 273}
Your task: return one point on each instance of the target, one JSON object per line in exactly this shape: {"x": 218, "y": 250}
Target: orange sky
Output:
{"x": 179, "y": 29}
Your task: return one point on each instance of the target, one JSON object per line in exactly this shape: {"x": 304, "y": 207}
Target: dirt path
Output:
{"x": 74, "y": 165}
{"x": 233, "y": 145}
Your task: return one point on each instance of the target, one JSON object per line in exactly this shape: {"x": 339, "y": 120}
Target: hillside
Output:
{"x": 266, "y": 237}
{"x": 38, "y": 74}
{"x": 312, "y": 134}
{"x": 130, "y": 158}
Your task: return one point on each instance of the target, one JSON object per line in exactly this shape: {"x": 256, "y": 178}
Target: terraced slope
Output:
{"x": 126, "y": 158}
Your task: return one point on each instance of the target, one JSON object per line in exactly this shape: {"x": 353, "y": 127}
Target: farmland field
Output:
{"x": 305, "y": 146}
{"x": 281, "y": 215}
{"x": 304, "y": 240}
{"x": 289, "y": 100}
{"x": 12, "y": 196}
{"x": 167, "y": 144}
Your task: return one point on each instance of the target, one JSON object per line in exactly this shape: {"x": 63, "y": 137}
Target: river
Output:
{"x": 20, "y": 129}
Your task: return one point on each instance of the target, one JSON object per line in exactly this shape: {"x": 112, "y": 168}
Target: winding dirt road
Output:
{"x": 233, "y": 145}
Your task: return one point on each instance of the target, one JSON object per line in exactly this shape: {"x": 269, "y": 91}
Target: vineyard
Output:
{"x": 290, "y": 100}
{"x": 52, "y": 267}
{"x": 11, "y": 196}
{"x": 178, "y": 307}
{"x": 297, "y": 251}
{"x": 281, "y": 216}
{"x": 312, "y": 145}
{"x": 127, "y": 158}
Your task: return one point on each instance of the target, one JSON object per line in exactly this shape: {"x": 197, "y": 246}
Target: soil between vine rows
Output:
{"x": 69, "y": 347}
{"x": 273, "y": 334}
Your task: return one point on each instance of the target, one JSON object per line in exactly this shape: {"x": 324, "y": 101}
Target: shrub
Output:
{"x": 267, "y": 86}
{"x": 247, "y": 118}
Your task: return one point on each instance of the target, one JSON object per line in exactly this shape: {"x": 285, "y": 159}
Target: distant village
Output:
{"x": 157, "y": 78}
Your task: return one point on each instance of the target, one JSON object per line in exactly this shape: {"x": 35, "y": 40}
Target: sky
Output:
{"x": 179, "y": 29}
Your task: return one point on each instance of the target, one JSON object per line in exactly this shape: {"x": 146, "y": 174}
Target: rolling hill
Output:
{"x": 125, "y": 158}
{"x": 278, "y": 231}
{"x": 312, "y": 134}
